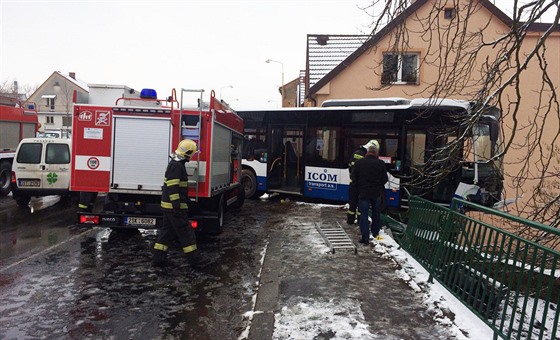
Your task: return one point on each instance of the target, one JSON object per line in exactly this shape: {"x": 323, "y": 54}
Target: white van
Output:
{"x": 41, "y": 167}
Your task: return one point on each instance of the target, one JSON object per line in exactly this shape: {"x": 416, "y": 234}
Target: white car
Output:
{"x": 41, "y": 167}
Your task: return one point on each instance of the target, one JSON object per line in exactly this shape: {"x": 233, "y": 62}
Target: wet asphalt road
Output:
{"x": 59, "y": 281}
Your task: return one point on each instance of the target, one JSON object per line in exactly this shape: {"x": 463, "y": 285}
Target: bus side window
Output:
{"x": 254, "y": 149}
{"x": 391, "y": 147}
{"x": 322, "y": 145}
{"x": 311, "y": 152}
{"x": 415, "y": 151}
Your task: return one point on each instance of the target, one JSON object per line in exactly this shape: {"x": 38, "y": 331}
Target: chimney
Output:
{"x": 72, "y": 75}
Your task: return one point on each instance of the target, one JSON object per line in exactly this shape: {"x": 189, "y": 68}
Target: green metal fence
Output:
{"x": 511, "y": 283}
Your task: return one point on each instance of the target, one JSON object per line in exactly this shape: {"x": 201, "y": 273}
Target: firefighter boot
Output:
{"x": 159, "y": 258}
{"x": 350, "y": 218}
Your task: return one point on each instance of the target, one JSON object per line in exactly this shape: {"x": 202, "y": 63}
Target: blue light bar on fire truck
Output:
{"x": 148, "y": 94}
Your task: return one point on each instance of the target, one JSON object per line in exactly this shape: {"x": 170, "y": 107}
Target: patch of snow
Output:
{"x": 306, "y": 318}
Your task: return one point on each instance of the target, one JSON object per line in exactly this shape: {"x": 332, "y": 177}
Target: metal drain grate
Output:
{"x": 336, "y": 238}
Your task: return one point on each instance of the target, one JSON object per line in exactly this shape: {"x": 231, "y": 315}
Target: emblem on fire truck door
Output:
{"x": 85, "y": 116}
{"x": 102, "y": 118}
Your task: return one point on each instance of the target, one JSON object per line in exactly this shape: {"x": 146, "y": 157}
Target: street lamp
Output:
{"x": 223, "y": 87}
{"x": 268, "y": 61}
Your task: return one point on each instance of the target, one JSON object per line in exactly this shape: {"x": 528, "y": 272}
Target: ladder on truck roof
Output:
{"x": 192, "y": 132}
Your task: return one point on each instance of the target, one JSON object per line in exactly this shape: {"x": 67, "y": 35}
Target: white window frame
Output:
{"x": 50, "y": 103}
{"x": 399, "y": 80}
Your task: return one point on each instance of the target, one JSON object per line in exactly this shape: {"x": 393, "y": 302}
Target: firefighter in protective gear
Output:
{"x": 176, "y": 225}
{"x": 86, "y": 201}
{"x": 352, "y": 214}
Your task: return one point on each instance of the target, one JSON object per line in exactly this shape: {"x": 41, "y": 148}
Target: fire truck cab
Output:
{"x": 17, "y": 121}
{"x": 122, "y": 149}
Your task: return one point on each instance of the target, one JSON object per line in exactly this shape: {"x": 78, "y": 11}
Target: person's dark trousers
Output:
{"x": 175, "y": 226}
{"x": 86, "y": 202}
{"x": 364, "y": 205}
{"x": 376, "y": 216}
{"x": 352, "y": 203}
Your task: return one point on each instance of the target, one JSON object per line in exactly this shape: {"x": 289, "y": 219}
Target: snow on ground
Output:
{"x": 306, "y": 318}
{"x": 333, "y": 319}
{"x": 341, "y": 319}
{"x": 436, "y": 297}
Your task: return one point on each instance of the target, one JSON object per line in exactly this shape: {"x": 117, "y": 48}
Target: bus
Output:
{"x": 305, "y": 151}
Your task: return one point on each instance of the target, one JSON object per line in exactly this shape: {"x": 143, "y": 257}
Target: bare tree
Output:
{"x": 15, "y": 90}
{"x": 490, "y": 68}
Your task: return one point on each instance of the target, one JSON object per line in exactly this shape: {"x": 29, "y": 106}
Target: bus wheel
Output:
{"x": 249, "y": 183}
{"x": 5, "y": 177}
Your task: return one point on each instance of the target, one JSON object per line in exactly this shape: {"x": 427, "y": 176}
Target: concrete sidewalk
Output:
{"x": 361, "y": 295}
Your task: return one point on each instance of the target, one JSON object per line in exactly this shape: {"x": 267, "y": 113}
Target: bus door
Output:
{"x": 414, "y": 161}
{"x": 421, "y": 159}
{"x": 284, "y": 161}
{"x": 446, "y": 162}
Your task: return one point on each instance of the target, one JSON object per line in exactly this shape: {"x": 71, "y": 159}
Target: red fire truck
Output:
{"x": 122, "y": 149}
{"x": 17, "y": 121}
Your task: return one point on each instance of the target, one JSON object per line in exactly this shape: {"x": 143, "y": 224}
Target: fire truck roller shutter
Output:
{"x": 221, "y": 157}
{"x": 141, "y": 152}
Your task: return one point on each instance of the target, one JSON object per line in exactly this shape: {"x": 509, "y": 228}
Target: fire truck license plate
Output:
{"x": 29, "y": 182}
{"x": 140, "y": 221}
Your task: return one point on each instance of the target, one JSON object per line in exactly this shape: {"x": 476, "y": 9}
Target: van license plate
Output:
{"x": 140, "y": 221}
{"x": 29, "y": 182}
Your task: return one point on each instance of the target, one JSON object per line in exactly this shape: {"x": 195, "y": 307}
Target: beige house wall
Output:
{"x": 362, "y": 79}
{"x": 60, "y": 117}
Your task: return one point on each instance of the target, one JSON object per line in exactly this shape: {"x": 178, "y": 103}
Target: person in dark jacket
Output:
{"x": 370, "y": 176}
{"x": 176, "y": 225}
{"x": 352, "y": 212}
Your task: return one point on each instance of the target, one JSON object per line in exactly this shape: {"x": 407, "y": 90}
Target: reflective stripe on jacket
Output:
{"x": 175, "y": 187}
{"x": 356, "y": 156}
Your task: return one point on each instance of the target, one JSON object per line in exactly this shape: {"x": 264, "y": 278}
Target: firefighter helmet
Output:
{"x": 186, "y": 149}
{"x": 373, "y": 143}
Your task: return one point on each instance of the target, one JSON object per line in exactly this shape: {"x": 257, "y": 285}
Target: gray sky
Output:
{"x": 206, "y": 44}
{"x": 170, "y": 44}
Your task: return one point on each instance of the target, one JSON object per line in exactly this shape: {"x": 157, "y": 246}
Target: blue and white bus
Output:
{"x": 305, "y": 151}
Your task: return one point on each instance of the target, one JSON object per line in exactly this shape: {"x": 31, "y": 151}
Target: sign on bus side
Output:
{"x": 322, "y": 178}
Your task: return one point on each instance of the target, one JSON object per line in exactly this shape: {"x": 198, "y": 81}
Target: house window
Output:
{"x": 50, "y": 100}
{"x": 50, "y": 119}
{"x": 400, "y": 68}
{"x": 50, "y": 103}
{"x": 66, "y": 121}
{"x": 449, "y": 13}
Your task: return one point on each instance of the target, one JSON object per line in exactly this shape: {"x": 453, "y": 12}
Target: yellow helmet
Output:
{"x": 186, "y": 149}
{"x": 373, "y": 143}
